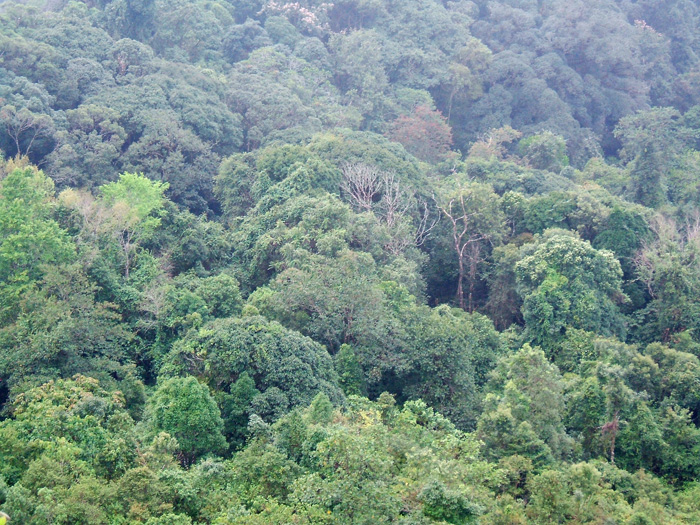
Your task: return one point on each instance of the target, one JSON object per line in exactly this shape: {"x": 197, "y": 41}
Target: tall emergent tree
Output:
{"x": 476, "y": 221}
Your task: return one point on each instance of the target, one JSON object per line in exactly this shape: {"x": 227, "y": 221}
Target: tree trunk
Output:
{"x": 460, "y": 288}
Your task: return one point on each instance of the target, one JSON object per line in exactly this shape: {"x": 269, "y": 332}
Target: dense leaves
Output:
{"x": 360, "y": 262}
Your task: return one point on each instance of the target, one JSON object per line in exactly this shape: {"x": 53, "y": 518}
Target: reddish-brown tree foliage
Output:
{"x": 425, "y": 133}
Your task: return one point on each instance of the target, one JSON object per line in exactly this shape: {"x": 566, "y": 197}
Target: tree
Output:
{"x": 29, "y": 237}
{"x": 392, "y": 202}
{"x": 194, "y": 29}
{"x": 362, "y": 184}
{"x": 24, "y": 127}
{"x": 335, "y": 300}
{"x": 667, "y": 268}
{"x": 61, "y": 330}
{"x": 345, "y": 147}
{"x": 75, "y": 414}
{"x": 185, "y": 409}
{"x": 586, "y": 413}
{"x": 360, "y": 72}
{"x": 169, "y": 152}
{"x": 504, "y": 303}
{"x": 274, "y": 357}
{"x": 131, "y": 18}
{"x": 273, "y": 93}
{"x": 235, "y": 184}
{"x": 676, "y": 382}
{"x": 288, "y": 220}
{"x": 565, "y": 282}
{"x": 544, "y": 151}
{"x": 651, "y": 140}
{"x": 477, "y": 220}
{"x": 448, "y": 355}
{"x": 623, "y": 233}
{"x": 494, "y": 144}
{"x": 88, "y": 151}
{"x": 442, "y": 504}
{"x": 425, "y": 133}
{"x": 350, "y": 376}
{"x": 528, "y": 390}
{"x": 135, "y": 205}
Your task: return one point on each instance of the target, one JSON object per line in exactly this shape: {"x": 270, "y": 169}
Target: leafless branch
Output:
{"x": 361, "y": 183}
{"x": 395, "y": 202}
{"x": 425, "y": 225}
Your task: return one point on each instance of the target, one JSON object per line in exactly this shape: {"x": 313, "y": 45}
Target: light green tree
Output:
{"x": 29, "y": 236}
{"x": 129, "y": 209}
{"x": 185, "y": 409}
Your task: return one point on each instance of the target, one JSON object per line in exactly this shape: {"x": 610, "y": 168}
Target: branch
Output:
{"x": 361, "y": 183}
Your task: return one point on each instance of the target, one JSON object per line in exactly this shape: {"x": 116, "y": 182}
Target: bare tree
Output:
{"x": 394, "y": 202}
{"x": 370, "y": 189}
{"x": 667, "y": 265}
{"x": 154, "y": 302}
{"x": 692, "y": 228}
{"x": 475, "y": 217}
{"x": 609, "y": 433}
{"x": 361, "y": 183}
{"x": 668, "y": 238}
{"x": 494, "y": 143}
{"x": 426, "y": 224}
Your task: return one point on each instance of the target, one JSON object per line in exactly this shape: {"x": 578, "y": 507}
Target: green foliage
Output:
{"x": 30, "y": 238}
{"x": 333, "y": 300}
{"x": 449, "y": 354}
{"x": 443, "y": 505}
{"x": 286, "y": 367}
{"x": 187, "y": 342}
{"x": 524, "y": 413}
{"x": 76, "y": 417}
{"x": 504, "y": 302}
{"x": 244, "y": 180}
{"x": 350, "y": 376}
{"x": 184, "y": 408}
{"x": 651, "y": 139}
{"x": 61, "y": 330}
{"x": 611, "y": 177}
{"x": 584, "y": 211}
{"x": 623, "y": 234}
{"x": 89, "y": 147}
{"x": 564, "y": 283}
{"x": 579, "y": 492}
{"x": 168, "y": 519}
{"x": 129, "y": 210}
{"x": 271, "y": 97}
{"x": 142, "y": 199}
{"x": 545, "y": 151}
